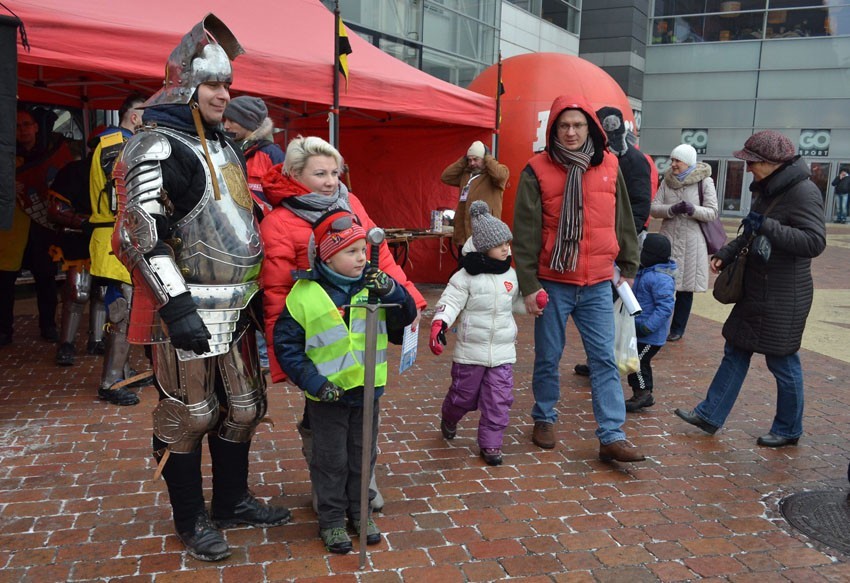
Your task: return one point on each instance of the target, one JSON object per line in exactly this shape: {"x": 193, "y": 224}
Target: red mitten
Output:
{"x": 438, "y": 337}
{"x": 542, "y": 299}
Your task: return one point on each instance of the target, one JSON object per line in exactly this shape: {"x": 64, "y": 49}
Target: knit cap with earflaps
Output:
{"x": 487, "y": 230}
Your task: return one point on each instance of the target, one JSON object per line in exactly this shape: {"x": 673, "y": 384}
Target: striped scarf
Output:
{"x": 571, "y": 223}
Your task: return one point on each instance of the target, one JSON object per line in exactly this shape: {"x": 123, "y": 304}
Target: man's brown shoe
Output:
{"x": 621, "y": 451}
{"x": 543, "y": 434}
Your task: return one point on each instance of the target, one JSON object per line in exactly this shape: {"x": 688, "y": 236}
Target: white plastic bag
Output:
{"x": 625, "y": 340}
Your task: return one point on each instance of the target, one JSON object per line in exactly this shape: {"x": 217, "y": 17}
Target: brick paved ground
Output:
{"x": 77, "y": 500}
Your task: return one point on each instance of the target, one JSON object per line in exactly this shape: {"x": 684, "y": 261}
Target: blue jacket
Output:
{"x": 655, "y": 290}
{"x": 289, "y": 336}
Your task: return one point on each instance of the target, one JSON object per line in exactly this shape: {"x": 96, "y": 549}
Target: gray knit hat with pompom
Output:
{"x": 487, "y": 230}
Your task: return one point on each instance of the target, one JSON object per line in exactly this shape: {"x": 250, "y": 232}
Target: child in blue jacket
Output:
{"x": 655, "y": 290}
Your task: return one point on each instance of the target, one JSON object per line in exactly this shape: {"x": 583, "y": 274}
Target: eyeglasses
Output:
{"x": 26, "y": 124}
{"x": 576, "y": 127}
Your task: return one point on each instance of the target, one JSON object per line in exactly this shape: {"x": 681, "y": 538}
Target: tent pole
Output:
{"x": 333, "y": 130}
{"x": 499, "y": 92}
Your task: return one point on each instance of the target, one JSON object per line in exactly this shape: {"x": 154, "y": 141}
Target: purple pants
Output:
{"x": 488, "y": 389}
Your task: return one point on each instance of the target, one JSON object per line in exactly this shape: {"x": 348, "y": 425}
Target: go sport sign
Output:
{"x": 814, "y": 143}
{"x": 698, "y": 138}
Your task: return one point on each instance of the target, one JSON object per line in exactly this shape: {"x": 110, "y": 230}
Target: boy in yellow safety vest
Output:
{"x": 320, "y": 345}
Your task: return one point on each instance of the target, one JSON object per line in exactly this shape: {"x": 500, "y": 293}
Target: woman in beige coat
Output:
{"x": 678, "y": 204}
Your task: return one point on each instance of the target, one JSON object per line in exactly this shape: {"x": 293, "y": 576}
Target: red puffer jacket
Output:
{"x": 286, "y": 237}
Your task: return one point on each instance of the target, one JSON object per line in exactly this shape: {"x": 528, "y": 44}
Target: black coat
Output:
{"x": 771, "y": 317}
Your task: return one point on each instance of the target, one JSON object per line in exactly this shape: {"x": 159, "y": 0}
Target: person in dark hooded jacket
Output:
{"x": 778, "y": 289}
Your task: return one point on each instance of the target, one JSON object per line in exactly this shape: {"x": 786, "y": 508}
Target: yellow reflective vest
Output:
{"x": 337, "y": 351}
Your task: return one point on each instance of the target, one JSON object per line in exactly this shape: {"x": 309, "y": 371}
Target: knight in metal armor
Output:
{"x": 69, "y": 210}
{"x": 188, "y": 235}
{"x": 117, "y": 377}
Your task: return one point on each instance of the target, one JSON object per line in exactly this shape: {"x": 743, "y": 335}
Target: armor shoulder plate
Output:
{"x": 146, "y": 146}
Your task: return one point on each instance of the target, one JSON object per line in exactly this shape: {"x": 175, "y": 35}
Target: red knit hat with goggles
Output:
{"x": 336, "y": 230}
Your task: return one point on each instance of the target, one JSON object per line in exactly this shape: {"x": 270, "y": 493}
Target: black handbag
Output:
{"x": 729, "y": 285}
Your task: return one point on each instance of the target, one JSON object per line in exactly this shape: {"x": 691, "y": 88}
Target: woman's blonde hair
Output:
{"x": 301, "y": 149}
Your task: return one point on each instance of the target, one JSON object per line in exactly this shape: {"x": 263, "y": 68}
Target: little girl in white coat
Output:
{"x": 482, "y": 297}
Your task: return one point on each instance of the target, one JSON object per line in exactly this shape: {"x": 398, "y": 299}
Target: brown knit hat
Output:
{"x": 767, "y": 146}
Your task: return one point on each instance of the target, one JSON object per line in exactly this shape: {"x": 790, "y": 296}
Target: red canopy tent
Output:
{"x": 399, "y": 126}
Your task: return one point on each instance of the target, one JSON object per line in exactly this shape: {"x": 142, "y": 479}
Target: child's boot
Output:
{"x": 492, "y": 455}
{"x": 640, "y": 399}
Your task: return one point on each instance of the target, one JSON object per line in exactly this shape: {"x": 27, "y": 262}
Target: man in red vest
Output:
{"x": 572, "y": 223}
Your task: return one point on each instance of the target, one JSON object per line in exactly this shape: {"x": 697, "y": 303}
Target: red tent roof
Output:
{"x": 98, "y": 50}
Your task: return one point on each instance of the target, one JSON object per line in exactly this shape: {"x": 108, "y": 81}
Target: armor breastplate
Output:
{"x": 218, "y": 243}
{"x": 217, "y": 249}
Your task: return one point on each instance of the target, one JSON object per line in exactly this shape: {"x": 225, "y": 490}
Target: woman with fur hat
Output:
{"x": 678, "y": 204}
{"x": 483, "y": 294}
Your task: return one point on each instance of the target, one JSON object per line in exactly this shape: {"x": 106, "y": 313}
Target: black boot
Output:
{"x": 640, "y": 399}
{"x": 232, "y": 503}
{"x": 182, "y": 474}
{"x": 204, "y": 541}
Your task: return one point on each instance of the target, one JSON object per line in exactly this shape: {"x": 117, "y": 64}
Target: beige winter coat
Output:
{"x": 686, "y": 238}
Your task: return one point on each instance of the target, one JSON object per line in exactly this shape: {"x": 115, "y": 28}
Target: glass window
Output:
{"x": 561, "y": 14}
{"x": 676, "y": 7}
{"x": 820, "y": 176}
{"x": 481, "y": 9}
{"x": 733, "y": 187}
{"x": 402, "y": 52}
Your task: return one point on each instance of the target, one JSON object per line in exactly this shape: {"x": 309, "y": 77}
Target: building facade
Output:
{"x": 705, "y": 72}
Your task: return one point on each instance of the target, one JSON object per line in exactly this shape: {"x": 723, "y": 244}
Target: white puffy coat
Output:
{"x": 686, "y": 239}
{"x": 483, "y": 306}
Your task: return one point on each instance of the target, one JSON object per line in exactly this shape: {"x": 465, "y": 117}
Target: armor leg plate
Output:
{"x": 117, "y": 346}
{"x": 75, "y": 295}
{"x": 97, "y": 314}
{"x": 190, "y": 407}
{"x": 244, "y": 387}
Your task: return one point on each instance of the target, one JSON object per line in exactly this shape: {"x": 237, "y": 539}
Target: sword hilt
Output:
{"x": 375, "y": 237}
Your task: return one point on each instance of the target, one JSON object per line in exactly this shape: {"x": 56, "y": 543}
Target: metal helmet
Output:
{"x": 203, "y": 56}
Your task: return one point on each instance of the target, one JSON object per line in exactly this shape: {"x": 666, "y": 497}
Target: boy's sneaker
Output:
{"x": 447, "y": 429}
{"x": 640, "y": 399}
{"x": 492, "y": 455}
{"x": 336, "y": 540}
{"x": 373, "y": 533}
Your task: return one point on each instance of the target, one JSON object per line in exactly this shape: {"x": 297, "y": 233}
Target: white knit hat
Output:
{"x": 476, "y": 149}
{"x": 685, "y": 153}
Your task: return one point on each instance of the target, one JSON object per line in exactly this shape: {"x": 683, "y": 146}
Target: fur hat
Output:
{"x": 656, "y": 249}
{"x": 487, "y": 230}
{"x": 767, "y": 146}
{"x": 247, "y": 111}
{"x": 476, "y": 149}
{"x": 334, "y": 231}
{"x": 685, "y": 153}
{"x": 612, "y": 122}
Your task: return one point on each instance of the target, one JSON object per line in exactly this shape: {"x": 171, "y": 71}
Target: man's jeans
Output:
{"x": 729, "y": 378}
{"x": 841, "y": 201}
{"x": 593, "y": 313}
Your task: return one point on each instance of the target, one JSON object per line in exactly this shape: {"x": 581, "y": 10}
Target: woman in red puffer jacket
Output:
{"x": 301, "y": 190}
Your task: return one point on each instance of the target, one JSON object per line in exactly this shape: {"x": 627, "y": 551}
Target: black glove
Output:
{"x": 752, "y": 223}
{"x": 378, "y": 281}
{"x": 682, "y": 207}
{"x": 642, "y": 330}
{"x": 186, "y": 330}
{"x": 329, "y": 393}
